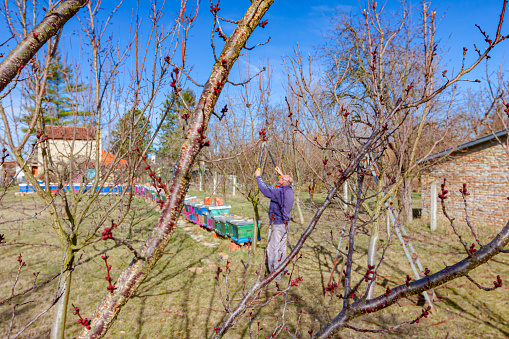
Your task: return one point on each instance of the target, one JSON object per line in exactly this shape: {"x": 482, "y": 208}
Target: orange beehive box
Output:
{"x": 218, "y": 201}
{"x": 207, "y": 201}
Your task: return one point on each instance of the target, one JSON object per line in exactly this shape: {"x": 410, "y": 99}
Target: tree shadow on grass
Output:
{"x": 496, "y": 323}
{"x": 172, "y": 269}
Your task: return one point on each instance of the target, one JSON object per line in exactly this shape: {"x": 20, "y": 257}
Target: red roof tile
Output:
{"x": 70, "y": 133}
{"x": 110, "y": 158}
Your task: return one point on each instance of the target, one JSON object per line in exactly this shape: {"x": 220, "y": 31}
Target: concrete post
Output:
{"x": 200, "y": 181}
{"x": 234, "y": 184}
{"x": 201, "y": 175}
{"x": 433, "y": 206}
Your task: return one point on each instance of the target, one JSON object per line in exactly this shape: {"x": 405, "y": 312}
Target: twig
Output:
{"x": 233, "y": 156}
{"x": 30, "y": 289}
{"x": 260, "y": 44}
{"x": 443, "y": 196}
{"x": 424, "y": 314}
{"x": 38, "y": 316}
{"x": 12, "y": 318}
{"x": 32, "y": 216}
{"x": 248, "y": 80}
{"x": 126, "y": 244}
{"x": 497, "y": 283}
{"x": 464, "y": 195}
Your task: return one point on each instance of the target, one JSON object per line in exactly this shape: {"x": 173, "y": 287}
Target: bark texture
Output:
{"x": 131, "y": 277}
{"x": 406, "y": 201}
{"x": 26, "y": 49}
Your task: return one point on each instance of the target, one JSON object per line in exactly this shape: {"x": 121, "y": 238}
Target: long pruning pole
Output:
{"x": 271, "y": 158}
{"x": 255, "y": 224}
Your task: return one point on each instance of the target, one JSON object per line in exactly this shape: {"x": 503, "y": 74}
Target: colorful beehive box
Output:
{"x": 197, "y": 213}
{"x": 242, "y": 230}
{"x": 218, "y": 220}
{"x": 187, "y": 200}
{"x": 204, "y": 210}
{"x": 213, "y": 210}
{"x": 185, "y": 209}
{"x": 53, "y": 188}
{"x": 192, "y": 211}
{"x": 227, "y": 228}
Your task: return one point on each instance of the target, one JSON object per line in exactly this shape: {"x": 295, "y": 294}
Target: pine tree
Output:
{"x": 59, "y": 105}
{"x": 173, "y": 128}
{"x": 130, "y": 130}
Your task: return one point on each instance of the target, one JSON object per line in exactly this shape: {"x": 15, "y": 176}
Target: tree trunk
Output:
{"x": 372, "y": 248}
{"x": 152, "y": 250}
{"x": 405, "y": 199}
{"x": 299, "y": 210}
{"x": 297, "y": 196}
{"x": 201, "y": 176}
{"x": 60, "y": 310}
{"x": 254, "y": 202}
{"x": 297, "y": 182}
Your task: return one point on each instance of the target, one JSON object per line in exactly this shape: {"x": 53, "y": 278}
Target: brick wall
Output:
{"x": 485, "y": 170}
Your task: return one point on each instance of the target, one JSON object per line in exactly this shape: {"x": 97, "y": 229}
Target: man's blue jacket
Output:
{"x": 281, "y": 201}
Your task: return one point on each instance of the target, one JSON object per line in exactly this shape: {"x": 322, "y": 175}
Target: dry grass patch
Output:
{"x": 174, "y": 302}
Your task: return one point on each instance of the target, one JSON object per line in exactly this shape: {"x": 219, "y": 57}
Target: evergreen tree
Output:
{"x": 173, "y": 128}
{"x": 59, "y": 104}
{"x": 130, "y": 130}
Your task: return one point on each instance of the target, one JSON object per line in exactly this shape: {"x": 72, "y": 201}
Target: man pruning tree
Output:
{"x": 281, "y": 203}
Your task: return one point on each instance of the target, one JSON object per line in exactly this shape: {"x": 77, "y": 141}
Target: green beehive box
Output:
{"x": 230, "y": 224}
{"x": 242, "y": 230}
{"x": 215, "y": 210}
{"x": 218, "y": 220}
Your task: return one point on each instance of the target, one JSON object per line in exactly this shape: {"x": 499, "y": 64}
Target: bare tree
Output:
{"x": 341, "y": 136}
{"x": 364, "y": 133}
{"x": 73, "y": 167}
{"x": 152, "y": 250}
{"x": 242, "y": 128}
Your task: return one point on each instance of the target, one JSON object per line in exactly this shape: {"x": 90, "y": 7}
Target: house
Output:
{"x": 69, "y": 145}
{"x": 482, "y": 164}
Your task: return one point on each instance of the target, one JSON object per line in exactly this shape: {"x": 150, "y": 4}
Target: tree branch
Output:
{"x": 26, "y": 49}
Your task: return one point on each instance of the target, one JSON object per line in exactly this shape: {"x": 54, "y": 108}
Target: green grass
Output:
{"x": 174, "y": 302}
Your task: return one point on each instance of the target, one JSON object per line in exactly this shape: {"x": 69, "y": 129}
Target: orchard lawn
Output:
{"x": 180, "y": 297}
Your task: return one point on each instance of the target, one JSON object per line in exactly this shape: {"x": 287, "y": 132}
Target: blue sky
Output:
{"x": 306, "y": 22}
